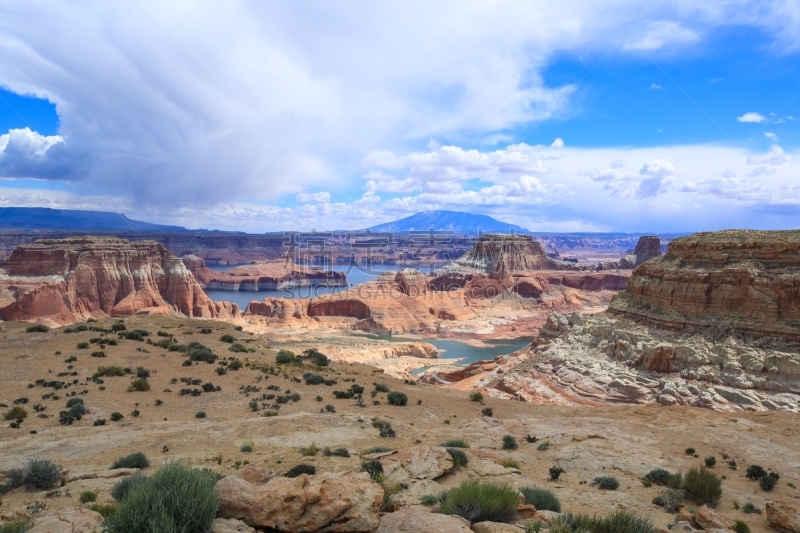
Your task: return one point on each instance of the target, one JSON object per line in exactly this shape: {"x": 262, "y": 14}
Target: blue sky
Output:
{"x": 630, "y": 116}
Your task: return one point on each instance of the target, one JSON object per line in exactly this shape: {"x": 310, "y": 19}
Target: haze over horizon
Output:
{"x": 629, "y": 116}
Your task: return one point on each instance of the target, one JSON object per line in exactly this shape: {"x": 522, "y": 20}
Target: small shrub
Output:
{"x": 238, "y": 348}
{"x": 124, "y": 485}
{"x": 110, "y": 371}
{"x": 374, "y": 468}
{"x": 226, "y": 338}
{"x": 659, "y": 476}
{"x": 670, "y": 499}
{"x": 37, "y": 328}
{"x": 689, "y": 451}
{"x": 478, "y": 501}
{"x": 99, "y": 422}
{"x": 175, "y": 499}
{"x": 487, "y": 411}
{"x": 555, "y": 472}
{"x": 88, "y": 496}
{"x": 15, "y": 413}
{"x": 702, "y": 486}
{"x": 544, "y": 445}
{"x": 133, "y": 460}
{"x": 710, "y": 462}
{"x": 15, "y": 526}
{"x": 247, "y": 447}
{"x": 509, "y": 463}
{"x": 749, "y": 508}
{"x": 200, "y": 414}
{"x": 133, "y": 335}
{"x": 381, "y": 387}
{"x": 459, "y": 457}
{"x": 741, "y": 527}
{"x": 204, "y": 331}
{"x": 118, "y": 327}
{"x": 302, "y": 468}
{"x": 139, "y": 385}
{"x": 509, "y": 443}
{"x": 476, "y": 396}
{"x": 606, "y": 482}
{"x": 82, "y": 345}
{"x": 455, "y": 443}
{"x": 35, "y": 474}
{"x": 732, "y": 465}
{"x": 543, "y": 500}
{"x": 338, "y": 452}
{"x": 317, "y": 358}
{"x": 284, "y": 357}
{"x": 313, "y": 379}
{"x": 238, "y": 328}
{"x": 397, "y": 398}
{"x": 618, "y": 522}
{"x": 755, "y": 472}
{"x": 309, "y": 451}
{"x": 116, "y": 416}
{"x": 768, "y": 482}
{"x": 104, "y": 509}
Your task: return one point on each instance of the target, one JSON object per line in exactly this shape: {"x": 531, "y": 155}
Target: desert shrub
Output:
{"x": 37, "y": 328}
{"x": 455, "y": 443}
{"x": 110, "y": 371}
{"x": 88, "y": 496}
{"x": 702, "y": 486}
{"x": 749, "y": 508}
{"x": 543, "y": 500}
{"x": 544, "y": 445}
{"x": 338, "y": 452}
{"x": 768, "y": 482}
{"x": 670, "y": 499}
{"x": 35, "y": 474}
{"x": 142, "y": 372}
{"x": 119, "y": 326}
{"x": 689, "y": 451}
{"x": 659, "y": 476}
{"x": 133, "y": 460}
{"x": 710, "y": 462}
{"x": 204, "y": 331}
{"x": 116, "y": 416}
{"x": 238, "y": 328}
{"x": 309, "y": 451}
{"x": 618, "y": 522}
{"x": 284, "y": 357}
{"x": 509, "y": 443}
{"x": 302, "y": 468}
{"x": 476, "y": 396}
{"x": 175, "y": 499}
{"x": 381, "y": 387}
{"x": 478, "y": 501}
{"x": 15, "y": 413}
{"x": 198, "y": 352}
{"x": 459, "y": 457}
{"x": 313, "y": 379}
{"x": 82, "y": 345}
{"x": 104, "y": 509}
{"x": 397, "y": 398}
{"x": 200, "y": 414}
{"x": 121, "y": 488}
{"x": 235, "y": 365}
{"x": 81, "y": 327}
{"x": 247, "y": 447}
{"x": 755, "y": 472}
{"x": 315, "y": 357}
{"x": 606, "y": 482}
{"x": 374, "y": 468}
{"x": 741, "y": 527}
{"x": 434, "y": 499}
{"x": 15, "y": 526}
{"x": 133, "y": 335}
{"x": 555, "y": 472}
{"x": 238, "y": 348}
{"x": 139, "y": 385}
{"x": 487, "y": 411}
{"x": 227, "y": 338}
{"x": 509, "y": 463}
{"x": 330, "y": 409}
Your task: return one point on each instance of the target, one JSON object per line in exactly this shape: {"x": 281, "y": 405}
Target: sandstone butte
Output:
{"x": 712, "y": 324}
{"x": 77, "y": 278}
{"x": 410, "y": 302}
{"x": 262, "y": 275}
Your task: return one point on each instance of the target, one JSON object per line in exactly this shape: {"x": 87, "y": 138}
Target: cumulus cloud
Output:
{"x": 649, "y": 181}
{"x": 26, "y": 153}
{"x": 752, "y": 116}
{"x": 659, "y": 34}
{"x": 773, "y": 156}
{"x": 320, "y": 197}
{"x": 558, "y": 143}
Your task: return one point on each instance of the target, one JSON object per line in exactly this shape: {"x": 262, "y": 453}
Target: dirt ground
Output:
{"x": 625, "y": 442}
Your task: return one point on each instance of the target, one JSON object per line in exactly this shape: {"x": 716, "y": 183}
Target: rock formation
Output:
{"x": 82, "y": 277}
{"x": 197, "y": 266}
{"x": 267, "y": 275}
{"x": 647, "y": 247}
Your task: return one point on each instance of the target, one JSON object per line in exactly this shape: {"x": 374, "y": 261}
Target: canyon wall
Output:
{"x": 80, "y": 277}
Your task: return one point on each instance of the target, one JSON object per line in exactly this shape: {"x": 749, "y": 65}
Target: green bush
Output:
{"x": 247, "y": 447}
{"x": 134, "y": 460}
{"x": 302, "y": 468}
{"x": 15, "y": 413}
{"x": 755, "y": 472}
{"x": 670, "y": 499}
{"x": 35, "y": 474}
{"x": 121, "y": 488}
{"x": 15, "y": 526}
{"x": 200, "y": 414}
{"x": 555, "y": 472}
{"x": 618, "y": 522}
{"x": 689, "y": 451}
{"x": 110, "y": 371}
{"x": 702, "y": 486}
{"x": 116, "y": 416}
{"x": 381, "y": 387}
{"x": 175, "y": 499}
{"x": 606, "y": 482}
{"x": 238, "y": 348}
{"x": 37, "y": 328}
{"x": 133, "y": 335}
{"x": 455, "y": 443}
{"x": 487, "y": 411}
{"x": 478, "y": 501}
{"x": 749, "y": 508}
{"x": 198, "y": 352}
{"x": 543, "y": 500}
{"x": 741, "y": 527}
{"x": 227, "y": 338}
{"x": 374, "y": 468}
{"x": 284, "y": 357}
{"x": 768, "y": 482}
{"x": 397, "y": 398}
{"x": 82, "y": 345}
{"x": 338, "y": 452}
{"x": 139, "y": 385}
{"x": 204, "y": 331}
{"x": 710, "y": 462}
{"x": 313, "y": 379}
{"x": 104, "y": 509}
{"x": 316, "y": 357}
{"x": 119, "y": 326}
{"x": 509, "y": 443}
{"x": 476, "y": 396}
{"x": 459, "y": 457}
{"x": 88, "y": 496}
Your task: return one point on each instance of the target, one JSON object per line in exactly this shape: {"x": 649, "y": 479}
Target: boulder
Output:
{"x": 257, "y": 474}
{"x": 784, "y": 516}
{"x": 229, "y": 525}
{"x": 83, "y": 521}
{"x": 496, "y": 527}
{"x": 416, "y": 462}
{"x": 417, "y": 519}
{"x": 338, "y": 503}
{"x": 681, "y": 527}
{"x": 708, "y": 519}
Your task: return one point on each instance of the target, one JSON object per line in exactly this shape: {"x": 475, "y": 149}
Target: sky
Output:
{"x": 659, "y": 116}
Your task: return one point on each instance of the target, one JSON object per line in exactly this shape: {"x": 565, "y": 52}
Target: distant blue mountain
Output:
{"x": 464, "y": 223}
{"x": 73, "y": 220}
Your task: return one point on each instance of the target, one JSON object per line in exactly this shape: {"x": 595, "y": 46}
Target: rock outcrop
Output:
{"x": 647, "y": 247}
{"x": 417, "y": 519}
{"x": 83, "y": 521}
{"x": 81, "y": 277}
{"x": 742, "y": 281}
{"x": 272, "y": 275}
{"x": 336, "y": 503}
{"x": 199, "y": 269}
{"x": 784, "y": 516}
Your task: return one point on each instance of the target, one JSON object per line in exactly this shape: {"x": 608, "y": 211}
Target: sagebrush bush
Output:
{"x": 200, "y": 414}
{"x": 374, "y": 468}
{"x": 487, "y": 411}
{"x": 755, "y": 472}
{"x": 459, "y": 457}
{"x": 381, "y": 387}
{"x": 302, "y": 468}
{"x": 284, "y": 357}
{"x": 121, "y": 488}
{"x": 317, "y": 358}
{"x": 618, "y": 522}
{"x": 509, "y": 443}
{"x": 15, "y": 413}
{"x": 478, "y": 501}
{"x": 338, "y": 452}
{"x": 139, "y": 385}
{"x": 710, "y": 462}
{"x": 15, "y": 526}
{"x": 749, "y": 508}
{"x": 555, "y": 472}
{"x": 455, "y": 443}
{"x": 35, "y": 474}
{"x": 118, "y": 327}
{"x": 606, "y": 482}
{"x": 133, "y": 460}
{"x": 247, "y": 447}
{"x": 397, "y": 398}
{"x": 741, "y": 526}
{"x": 702, "y": 486}
{"x": 670, "y": 499}
{"x": 88, "y": 496}
{"x": 768, "y": 482}
{"x": 476, "y": 396}
{"x": 543, "y": 500}
{"x": 175, "y": 499}
{"x": 37, "y": 328}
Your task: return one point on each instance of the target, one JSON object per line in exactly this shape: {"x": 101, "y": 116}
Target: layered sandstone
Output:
{"x": 80, "y": 277}
{"x": 272, "y": 275}
{"x": 744, "y": 281}
{"x": 647, "y": 247}
{"x": 199, "y": 269}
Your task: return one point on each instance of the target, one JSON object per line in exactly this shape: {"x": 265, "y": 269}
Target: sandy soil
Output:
{"x": 625, "y": 442}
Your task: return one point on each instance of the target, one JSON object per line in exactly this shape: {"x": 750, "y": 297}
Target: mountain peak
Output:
{"x": 456, "y": 221}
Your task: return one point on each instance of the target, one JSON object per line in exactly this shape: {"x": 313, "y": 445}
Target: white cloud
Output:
{"x": 659, "y": 34}
{"x": 773, "y": 137}
{"x": 773, "y": 156}
{"x": 27, "y": 153}
{"x": 321, "y": 197}
{"x": 558, "y": 143}
{"x": 656, "y": 86}
{"x": 752, "y": 117}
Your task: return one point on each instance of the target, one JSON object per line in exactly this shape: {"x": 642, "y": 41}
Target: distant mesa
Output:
{"x": 647, "y": 247}
{"x": 76, "y": 278}
{"x": 455, "y": 221}
{"x": 43, "y": 218}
